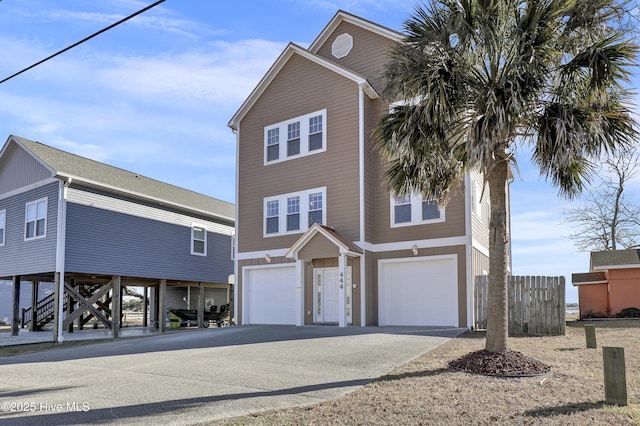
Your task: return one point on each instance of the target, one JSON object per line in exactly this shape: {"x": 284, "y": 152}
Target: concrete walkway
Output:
{"x": 191, "y": 377}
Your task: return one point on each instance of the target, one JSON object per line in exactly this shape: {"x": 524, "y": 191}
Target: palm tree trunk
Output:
{"x": 497, "y": 306}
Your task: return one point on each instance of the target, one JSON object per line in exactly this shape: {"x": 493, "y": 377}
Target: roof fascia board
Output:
{"x": 289, "y": 51}
{"x": 143, "y": 197}
{"x": 589, "y": 282}
{"x": 627, "y": 266}
{"x": 342, "y": 16}
{"x": 312, "y": 232}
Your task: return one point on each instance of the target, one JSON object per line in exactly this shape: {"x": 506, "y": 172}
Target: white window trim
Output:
{"x": 416, "y": 213}
{"x": 46, "y": 213}
{"x": 3, "y": 226}
{"x": 282, "y": 213}
{"x": 304, "y": 137}
{"x": 198, "y": 225}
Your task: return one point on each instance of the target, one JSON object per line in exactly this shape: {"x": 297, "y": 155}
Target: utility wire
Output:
{"x": 83, "y": 40}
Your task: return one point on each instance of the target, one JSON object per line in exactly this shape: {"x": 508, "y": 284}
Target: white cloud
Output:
{"x": 190, "y": 95}
{"x": 224, "y": 72}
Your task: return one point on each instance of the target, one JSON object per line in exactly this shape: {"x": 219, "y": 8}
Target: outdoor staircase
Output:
{"x": 45, "y": 308}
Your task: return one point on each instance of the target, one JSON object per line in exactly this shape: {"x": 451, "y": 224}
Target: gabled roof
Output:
{"x": 342, "y": 16}
{"x": 290, "y": 50}
{"x": 344, "y": 245}
{"x": 615, "y": 259}
{"x": 92, "y": 173}
{"x": 589, "y": 278}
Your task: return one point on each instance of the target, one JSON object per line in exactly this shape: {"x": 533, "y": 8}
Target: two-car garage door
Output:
{"x": 269, "y": 295}
{"x": 418, "y": 291}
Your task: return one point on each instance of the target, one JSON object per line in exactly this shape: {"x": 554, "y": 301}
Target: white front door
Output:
{"x": 326, "y": 290}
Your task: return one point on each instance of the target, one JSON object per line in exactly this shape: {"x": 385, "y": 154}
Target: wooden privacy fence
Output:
{"x": 536, "y": 305}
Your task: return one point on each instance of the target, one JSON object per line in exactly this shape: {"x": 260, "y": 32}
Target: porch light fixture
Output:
{"x": 414, "y": 250}
{"x": 267, "y": 258}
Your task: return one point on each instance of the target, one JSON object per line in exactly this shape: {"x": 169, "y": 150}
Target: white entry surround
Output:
{"x": 418, "y": 291}
{"x": 326, "y": 294}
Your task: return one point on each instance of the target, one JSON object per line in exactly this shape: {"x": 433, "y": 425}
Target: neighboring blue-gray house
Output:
{"x": 93, "y": 229}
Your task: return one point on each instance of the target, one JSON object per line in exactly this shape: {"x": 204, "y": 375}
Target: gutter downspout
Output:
{"x": 468, "y": 208}
{"x": 234, "y": 315}
{"x": 60, "y": 254}
{"x": 363, "y": 269}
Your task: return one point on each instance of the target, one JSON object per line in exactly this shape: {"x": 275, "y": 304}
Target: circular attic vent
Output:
{"x": 342, "y": 45}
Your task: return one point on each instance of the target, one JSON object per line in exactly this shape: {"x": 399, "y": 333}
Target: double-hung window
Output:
{"x": 293, "y": 138}
{"x": 198, "y": 240}
{"x": 315, "y": 208}
{"x": 3, "y": 225}
{"x": 303, "y": 209}
{"x": 412, "y": 209}
{"x": 305, "y": 135}
{"x": 293, "y": 213}
{"x": 35, "y": 219}
{"x": 273, "y": 144}
{"x": 402, "y": 209}
{"x": 272, "y": 217}
{"x": 315, "y": 133}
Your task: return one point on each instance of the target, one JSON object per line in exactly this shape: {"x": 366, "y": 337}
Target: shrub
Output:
{"x": 629, "y": 313}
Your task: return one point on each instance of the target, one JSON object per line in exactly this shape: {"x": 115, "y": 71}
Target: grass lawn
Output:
{"x": 426, "y": 392}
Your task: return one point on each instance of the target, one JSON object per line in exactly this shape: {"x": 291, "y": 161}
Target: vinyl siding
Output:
{"x": 368, "y": 55}
{"x": 20, "y": 257}
{"x": 301, "y": 87}
{"x": 111, "y": 243}
{"x": 480, "y": 219}
{"x": 19, "y": 170}
{"x": 373, "y": 111}
{"x": 453, "y": 226}
{"x": 92, "y": 198}
{"x": 480, "y": 264}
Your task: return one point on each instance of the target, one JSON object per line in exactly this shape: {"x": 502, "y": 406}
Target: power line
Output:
{"x": 83, "y": 40}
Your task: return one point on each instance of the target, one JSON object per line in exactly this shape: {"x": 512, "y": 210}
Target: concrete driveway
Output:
{"x": 195, "y": 376}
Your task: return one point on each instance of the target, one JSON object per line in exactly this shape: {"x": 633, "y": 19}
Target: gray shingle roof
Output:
{"x": 66, "y": 164}
{"x": 615, "y": 258}
{"x": 589, "y": 277}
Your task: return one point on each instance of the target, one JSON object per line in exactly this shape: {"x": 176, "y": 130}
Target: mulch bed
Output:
{"x": 505, "y": 364}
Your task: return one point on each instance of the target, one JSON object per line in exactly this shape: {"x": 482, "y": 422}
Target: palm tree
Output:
{"x": 473, "y": 80}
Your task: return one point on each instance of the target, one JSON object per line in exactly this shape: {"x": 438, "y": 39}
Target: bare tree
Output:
{"x": 608, "y": 217}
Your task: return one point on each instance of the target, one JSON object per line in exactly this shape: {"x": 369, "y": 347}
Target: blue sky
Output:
{"x": 154, "y": 94}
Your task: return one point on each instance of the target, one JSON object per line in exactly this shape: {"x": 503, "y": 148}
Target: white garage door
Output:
{"x": 270, "y": 295}
{"x": 418, "y": 292}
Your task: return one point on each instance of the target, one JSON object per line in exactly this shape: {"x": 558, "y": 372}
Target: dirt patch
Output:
{"x": 426, "y": 391}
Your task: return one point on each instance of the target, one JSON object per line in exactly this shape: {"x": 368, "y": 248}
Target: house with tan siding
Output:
{"x": 319, "y": 238}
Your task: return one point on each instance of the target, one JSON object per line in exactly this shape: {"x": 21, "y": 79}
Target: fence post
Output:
{"x": 615, "y": 379}
{"x": 590, "y": 334}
